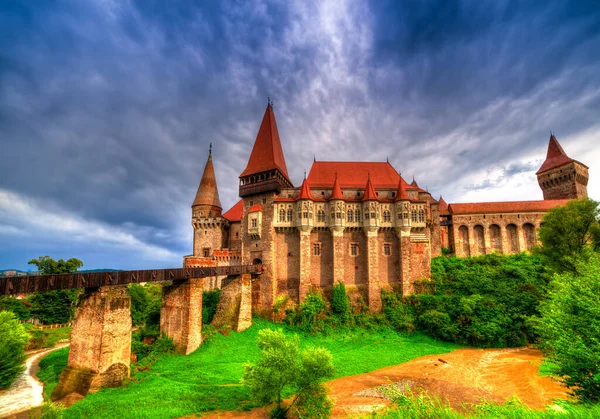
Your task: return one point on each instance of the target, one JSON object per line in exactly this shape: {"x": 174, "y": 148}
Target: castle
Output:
{"x": 359, "y": 223}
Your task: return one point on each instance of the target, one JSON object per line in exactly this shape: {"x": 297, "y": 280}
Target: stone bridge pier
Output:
{"x": 100, "y": 343}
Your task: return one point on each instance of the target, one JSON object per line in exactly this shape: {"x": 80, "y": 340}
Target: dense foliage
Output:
{"x": 283, "y": 367}
{"x": 54, "y": 306}
{"x": 570, "y": 234}
{"x": 486, "y": 301}
{"x": 13, "y": 339}
{"x": 210, "y": 302}
{"x": 21, "y": 308}
{"x": 145, "y": 304}
{"x": 570, "y": 328}
{"x": 48, "y": 266}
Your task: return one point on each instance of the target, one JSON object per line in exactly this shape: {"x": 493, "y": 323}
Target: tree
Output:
{"x": 55, "y": 306}
{"x": 13, "y": 339}
{"x": 570, "y": 233}
{"x": 570, "y": 328}
{"x": 283, "y": 368}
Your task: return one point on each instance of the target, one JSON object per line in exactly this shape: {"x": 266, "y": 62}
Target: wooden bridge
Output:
{"x": 100, "y": 351}
{"x": 16, "y": 285}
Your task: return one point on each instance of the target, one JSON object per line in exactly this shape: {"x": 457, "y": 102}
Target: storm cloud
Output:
{"x": 107, "y": 107}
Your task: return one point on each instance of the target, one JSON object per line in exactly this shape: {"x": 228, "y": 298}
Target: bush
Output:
{"x": 283, "y": 368}
{"x": 21, "y": 308}
{"x": 310, "y": 313}
{"x": 397, "y": 314}
{"x": 570, "y": 328}
{"x": 145, "y": 304}
{"x": 340, "y": 303}
{"x": 13, "y": 339}
{"x": 54, "y": 307}
{"x": 210, "y": 302}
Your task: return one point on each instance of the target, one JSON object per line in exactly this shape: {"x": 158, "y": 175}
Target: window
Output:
{"x": 264, "y": 200}
{"x": 317, "y": 249}
{"x": 350, "y": 216}
{"x": 321, "y": 216}
{"x": 353, "y": 249}
{"x": 281, "y": 215}
{"x": 339, "y": 215}
{"x": 206, "y": 252}
{"x": 366, "y": 215}
{"x": 422, "y": 216}
{"x": 387, "y": 217}
{"x": 373, "y": 215}
{"x": 305, "y": 214}
{"x": 290, "y": 215}
{"x": 357, "y": 218}
{"x": 237, "y": 235}
{"x": 253, "y": 223}
{"x": 387, "y": 249}
{"x": 414, "y": 216}
{"x": 251, "y": 203}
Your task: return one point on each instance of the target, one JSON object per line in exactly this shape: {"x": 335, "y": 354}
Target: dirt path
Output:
{"x": 27, "y": 392}
{"x": 462, "y": 376}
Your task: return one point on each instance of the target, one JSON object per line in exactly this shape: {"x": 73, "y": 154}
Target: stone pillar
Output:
{"x": 504, "y": 240}
{"x": 100, "y": 343}
{"x": 338, "y": 254}
{"x": 473, "y": 245}
{"x": 181, "y": 314}
{"x": 304, "y": 262}
{"x": 374, "y": 289}
{"x": 405, "y": 260}
{"x": 521, "y": 238}
{"x": 245, "y": 313}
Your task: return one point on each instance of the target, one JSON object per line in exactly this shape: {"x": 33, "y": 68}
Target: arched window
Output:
{"x": 290, "y": 215}
{"x": 357, "y": 218}
{"x": 422, "y": 216}
{"x": 387, "y": 217}
{"x": 281, "y": 215}
{"x": 350, "y": 216}
{"x": 413, "y": 216}
{"x": 321, "y": 216}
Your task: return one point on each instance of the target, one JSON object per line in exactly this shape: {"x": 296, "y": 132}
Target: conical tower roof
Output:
{"x": 555, "y": 156}
{"x": 370, "y": 194}
{"x": 401, "y": 194}
{"x": 304, "y": 191}
{"x": 414, "y": 183}
{"x": 442, "y": 206}
{"x": 267, "y": 153}
{"x": 208, "y": 193}
{"x": 336, "y": 192}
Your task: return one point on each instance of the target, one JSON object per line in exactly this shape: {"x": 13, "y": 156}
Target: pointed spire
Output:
{"x": 304, "y": 190}
{"x": 555, "y": 156}
{"x": 208, "y": 194}
{"x": 370, "y": 194}
{"x": 336, "y": 193}
{"x": 414, "y": 182}
{"x": 442, "y": 206}
{"x": 401, "y": 194}
{"x": 267, "y": 153}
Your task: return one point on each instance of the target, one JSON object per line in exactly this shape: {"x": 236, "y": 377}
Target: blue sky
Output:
{"x": 107, "y": 107}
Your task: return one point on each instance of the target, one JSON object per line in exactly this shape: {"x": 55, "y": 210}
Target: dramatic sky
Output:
{"x": 107, "y": 107}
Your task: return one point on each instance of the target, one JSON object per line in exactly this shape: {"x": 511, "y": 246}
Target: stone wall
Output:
{"x": 235, "y": 304}
{"x": 564, "y": 182}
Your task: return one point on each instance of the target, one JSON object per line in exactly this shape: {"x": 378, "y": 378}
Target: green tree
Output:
{"x": 55, "y": 306}
{"x": 13, "y": 339}
{"x": 283, "y": 368}
{"x": 569, "y": 234}
{"x": 570, "y": 328}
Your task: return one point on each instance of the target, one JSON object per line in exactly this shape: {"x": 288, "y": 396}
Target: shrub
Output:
{"x": 13, "y": 339}
{"x": 340, "y": 303}
{"x": 210, "y": 302}
{"x": 54, "y": 306}
{"x": 21, "y": 308}
{"x": 283, "y": 368}
{"x": 145, "y": 304}
{"x": 397, "y": 314}
{"x": 310, "y": 313}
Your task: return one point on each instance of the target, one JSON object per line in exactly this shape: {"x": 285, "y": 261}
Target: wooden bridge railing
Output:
{"x": 41, "y": 283}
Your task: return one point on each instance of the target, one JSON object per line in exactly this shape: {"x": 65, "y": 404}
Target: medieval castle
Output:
{"x": 359, "y": 223}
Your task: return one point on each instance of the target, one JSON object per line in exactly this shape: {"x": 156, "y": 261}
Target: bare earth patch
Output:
{"x": 462, "y": 376}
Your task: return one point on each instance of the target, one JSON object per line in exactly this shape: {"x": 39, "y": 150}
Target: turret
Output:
{"x": 266, "y": 170}
{"x": 402, "y": 205}
{"x": 305, "y": 207}
{"x": 561, "y": 177}
{"x": 370, "y": 205}
{"x": 337, "y": 206}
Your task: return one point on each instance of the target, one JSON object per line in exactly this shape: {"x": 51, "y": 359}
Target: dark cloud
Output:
{"x": 107, "y": 107}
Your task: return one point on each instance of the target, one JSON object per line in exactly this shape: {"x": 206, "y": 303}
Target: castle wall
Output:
{"x": 287, "y": 255}
{"x": 564, "y": 182}
{"x": 355, "y": 267}
{"x": 389, "y": 265}
{"x": 208, "y": 237}
{"x": 322, "y": 266}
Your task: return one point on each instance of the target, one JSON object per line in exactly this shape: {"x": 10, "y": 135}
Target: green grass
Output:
{"x": 45, "y": 338}
{"x": 209, "y": 378}
{"x": 50, "y": 368}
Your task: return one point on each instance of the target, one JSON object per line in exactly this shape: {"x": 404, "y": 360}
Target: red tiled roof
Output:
{"x": 352, "y": 174}
{"x": 304, "y": 191}
{"x": 504, "y": 207}
{"x": 255, "y": 208}
{"x": 208, "y": 193}
{"x": 267, "y": 153}
{"x": 235, "y": 213}
{"x": 336, "y": 192}
{"x": 555, "y": 157}
{"x": 370, "y": 194}
{"x": 443, "y": 206}
{"x": 401, "y": 192}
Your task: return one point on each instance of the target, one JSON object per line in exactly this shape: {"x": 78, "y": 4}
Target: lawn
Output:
{"x": 47, "y": 338}
{"x": 209, "y": 378}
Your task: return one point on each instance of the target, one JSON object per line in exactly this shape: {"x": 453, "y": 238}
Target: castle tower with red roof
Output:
{"x": 210, "y": 227}
{"x": 561, "y": 177}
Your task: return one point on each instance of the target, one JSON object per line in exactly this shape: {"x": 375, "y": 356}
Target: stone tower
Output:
{"x": 561, "y": 177}
{"x": 209, "y": 225}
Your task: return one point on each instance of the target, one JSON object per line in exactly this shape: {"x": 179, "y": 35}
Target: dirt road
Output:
{"x": 27, "y": 392}
{"x": 462, "y": 376}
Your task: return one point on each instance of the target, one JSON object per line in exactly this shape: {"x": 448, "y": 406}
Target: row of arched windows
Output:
{"x": 352, "y": 216}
